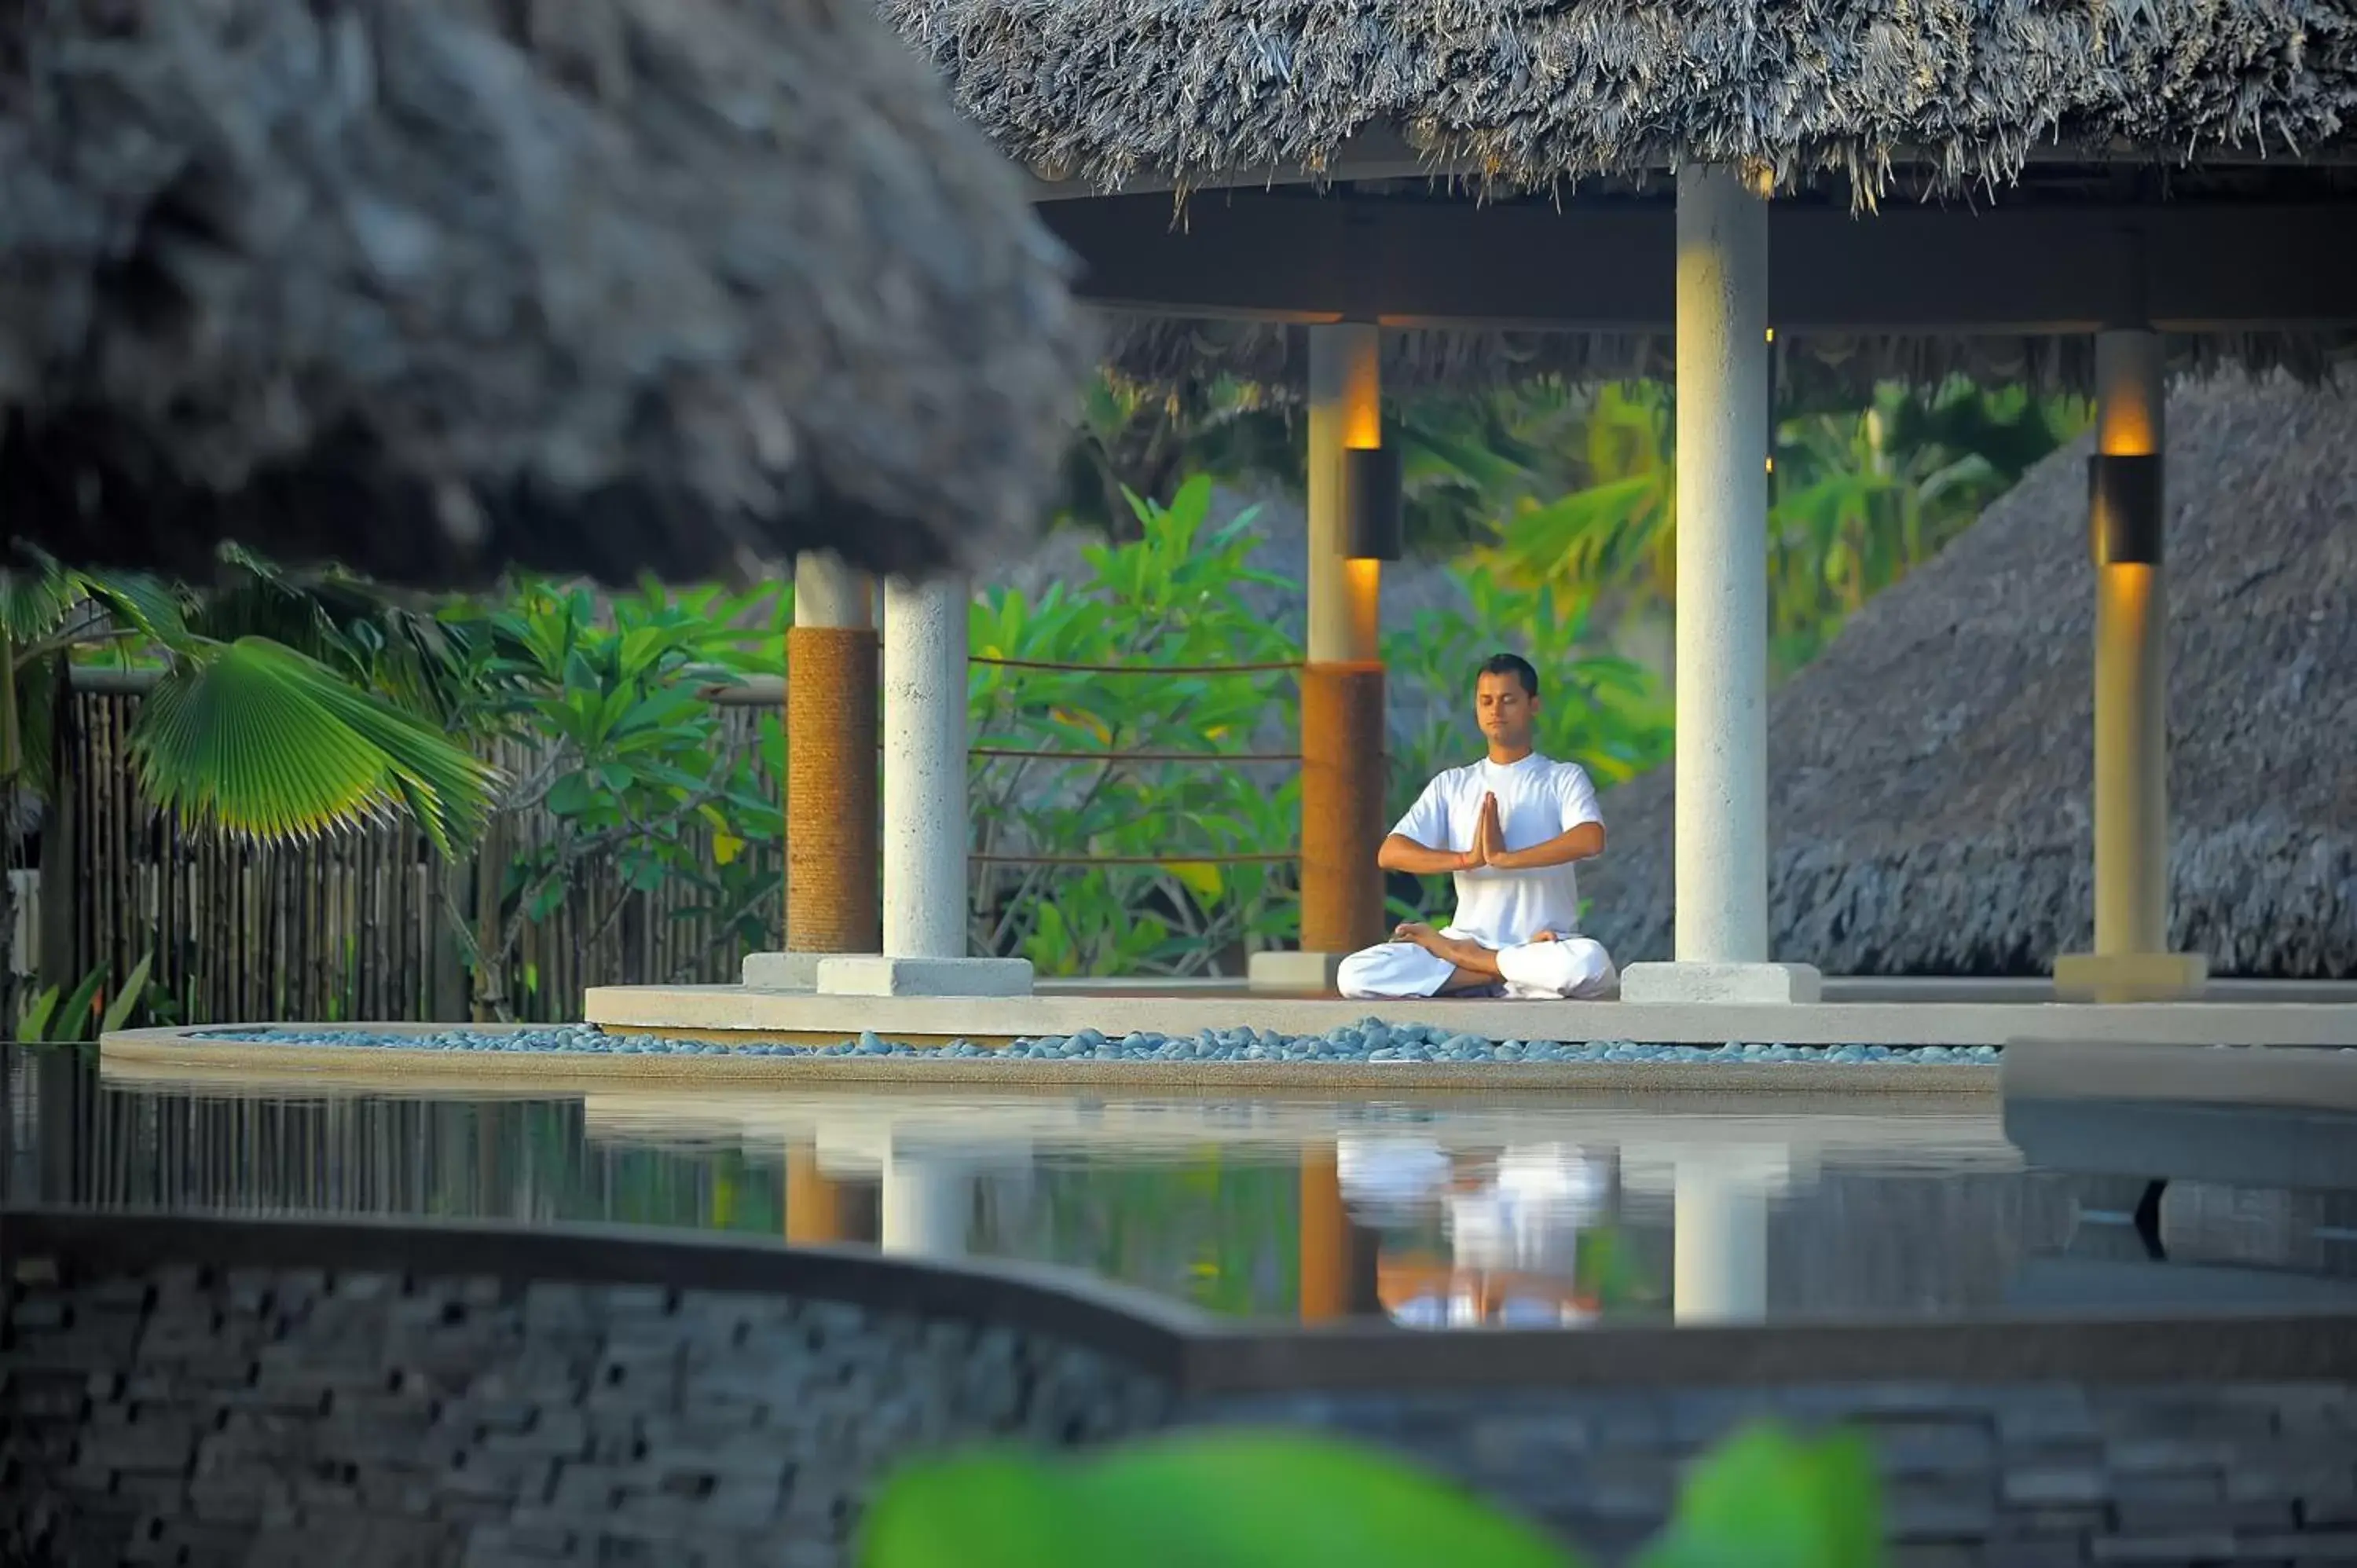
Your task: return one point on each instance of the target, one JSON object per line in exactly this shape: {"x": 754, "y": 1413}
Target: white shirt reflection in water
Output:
{"x": 1513, "y": 1232}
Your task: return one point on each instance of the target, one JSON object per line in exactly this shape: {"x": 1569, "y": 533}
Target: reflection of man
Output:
{"x": 1523, "y": 820}
{"x": 1511, "y": 1231}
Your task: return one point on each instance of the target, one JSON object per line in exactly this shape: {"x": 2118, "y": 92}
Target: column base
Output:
{"x": 782, "y": 970}
{"x": 1290, "y": 969}
{"x": 882, "y": 974}
{"x": 1744, "y": 983}
{"x": 2130, "y": 977}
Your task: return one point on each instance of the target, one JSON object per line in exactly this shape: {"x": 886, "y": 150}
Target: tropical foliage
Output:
{"x": 1105, "y": 784}
{"x": 1858, "y": 498}
{"x": 283, "y": 707}
{"x": 91, "y": 1009}
{"x": 1272, "y": 1499}
{"x": 627, "y": 776}
{"x": 289, "y": 704}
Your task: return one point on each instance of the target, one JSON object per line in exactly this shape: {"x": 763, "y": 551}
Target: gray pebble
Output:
{"x": 1371, "y": 1039}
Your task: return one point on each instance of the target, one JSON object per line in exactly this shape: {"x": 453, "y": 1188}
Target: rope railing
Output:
{"x": 1267, "y": 857}
{"x": 1133, "y": 756}
{"x": 1275, "y": 857}
{"x": 993, "y": 659}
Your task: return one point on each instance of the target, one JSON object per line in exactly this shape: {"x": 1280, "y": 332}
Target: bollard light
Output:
{"x": 2125, "y": 508}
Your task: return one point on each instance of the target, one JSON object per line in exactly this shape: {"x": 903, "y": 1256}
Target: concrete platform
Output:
{"x": 189, "y": 1053}
{"x": 1893, "y": 1017}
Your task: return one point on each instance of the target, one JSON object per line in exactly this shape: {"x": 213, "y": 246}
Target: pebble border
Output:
{"x": 1371, "y": 1040}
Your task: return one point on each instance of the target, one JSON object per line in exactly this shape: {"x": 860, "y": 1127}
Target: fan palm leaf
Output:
{"x": 262, "y": 741}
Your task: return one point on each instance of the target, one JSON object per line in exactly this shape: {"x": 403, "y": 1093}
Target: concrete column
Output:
{"x": 833, "y": 897}
{"x": 1343, "y": 763}
{"x": 924, "y": 767}
{"x": 1722, "y": 419}
{"x": 928, "y": 1205}
{"x": 925, "y": 827}
{"x": 2131, "y": 961}
{"x": 1720, "y": 1247}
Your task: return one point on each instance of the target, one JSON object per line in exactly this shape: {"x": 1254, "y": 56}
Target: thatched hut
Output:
{"x": 1930, "y": 775}
{"x": 439, "y": 286}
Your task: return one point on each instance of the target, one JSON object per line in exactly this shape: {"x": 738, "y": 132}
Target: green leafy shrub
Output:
{"x": 55, "y": 1016}
{"x": 1172, "y": 597}
{"x": 1255, "y": 1499}
{"x": 630, "y": 780}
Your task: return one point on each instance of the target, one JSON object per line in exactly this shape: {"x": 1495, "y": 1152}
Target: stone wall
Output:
{"x": 263, "y": 1416}
{"x": 2047, "y": 1475}
{"x": 443, "y": 1394}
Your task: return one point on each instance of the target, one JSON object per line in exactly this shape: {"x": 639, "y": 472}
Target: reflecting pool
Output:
{"x": 1440, "y": 1212}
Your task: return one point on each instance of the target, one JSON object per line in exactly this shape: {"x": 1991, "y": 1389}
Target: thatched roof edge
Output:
{"x": 1107, "y": 92}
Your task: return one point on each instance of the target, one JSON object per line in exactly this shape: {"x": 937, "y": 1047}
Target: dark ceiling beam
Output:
{"x": 1608, "y": 265}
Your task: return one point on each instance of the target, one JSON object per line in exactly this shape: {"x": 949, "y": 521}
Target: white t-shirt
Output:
{"x": 1538, "y": 799}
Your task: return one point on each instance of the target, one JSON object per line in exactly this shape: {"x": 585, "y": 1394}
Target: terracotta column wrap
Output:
{"x": 832, "y": 901}
{"x": 813, "y": 1201}
{"x": 1343, "y": 769}
{"x": 1324, "y": 1239}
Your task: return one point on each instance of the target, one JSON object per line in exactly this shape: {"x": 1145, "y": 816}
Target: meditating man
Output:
{"x": 1510, "y": 828}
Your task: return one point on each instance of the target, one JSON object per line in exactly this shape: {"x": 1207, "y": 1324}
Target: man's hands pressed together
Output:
{"x": 1488, "y": 838}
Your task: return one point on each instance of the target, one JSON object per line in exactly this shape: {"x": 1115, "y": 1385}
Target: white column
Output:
{"x": 927, "y": 1204}
{"x": 926, "y": 829}
{"x": 924, "y": 767}
{"x": 1722, "y": 565}
{"x": 1720, "y": 1247}
{"x": 1721, "y": 831}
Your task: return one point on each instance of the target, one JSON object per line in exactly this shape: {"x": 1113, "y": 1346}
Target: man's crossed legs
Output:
{"x": 1421, "y": 962}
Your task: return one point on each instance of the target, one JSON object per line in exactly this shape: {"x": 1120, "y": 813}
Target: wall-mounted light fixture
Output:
{"x": 2125, "y": 508}
{"x": 1372, "y": 528}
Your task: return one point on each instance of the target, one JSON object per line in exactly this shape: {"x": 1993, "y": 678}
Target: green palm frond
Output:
{"x": 262, "y": 741}
{"x": 33, "y": 604}
{"x": 154, "y": 608}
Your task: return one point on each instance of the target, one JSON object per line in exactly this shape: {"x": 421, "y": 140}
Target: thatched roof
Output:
{"x": 588, "y": 287}
{"x": 1175, "y": 352}
{"x": 1930, "y": 775}
{"x": 1110, "y": 92}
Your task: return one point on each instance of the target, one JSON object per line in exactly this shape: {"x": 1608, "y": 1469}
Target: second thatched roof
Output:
{"x": 439, "y": 286}
{"x": 1930, "y": 776}
{"x": 1110, "y": 92}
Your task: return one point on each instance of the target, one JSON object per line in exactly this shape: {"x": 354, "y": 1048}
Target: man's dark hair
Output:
{"x": 1512, "y": 664}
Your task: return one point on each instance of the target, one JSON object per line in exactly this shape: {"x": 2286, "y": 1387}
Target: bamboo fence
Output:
{"x": 351, "y": 927}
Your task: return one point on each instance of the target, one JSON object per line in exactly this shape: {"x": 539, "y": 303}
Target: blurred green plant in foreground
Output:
{"x": 1271, "y": 1499}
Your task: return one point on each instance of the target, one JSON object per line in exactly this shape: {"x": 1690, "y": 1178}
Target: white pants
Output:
{"x": 1575, "y": 969}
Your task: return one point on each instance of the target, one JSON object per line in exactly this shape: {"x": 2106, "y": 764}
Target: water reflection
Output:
{"x": 1436, "y": 1213}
